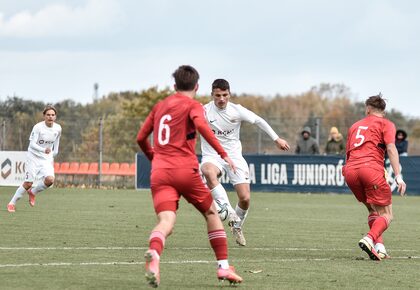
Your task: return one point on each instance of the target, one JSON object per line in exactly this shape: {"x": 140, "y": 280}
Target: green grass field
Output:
{"x": 95, "y": 239}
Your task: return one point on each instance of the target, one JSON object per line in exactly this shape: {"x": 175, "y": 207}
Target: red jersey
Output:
{"x": 367, "y": 140}
{"x": 174, "y": 121}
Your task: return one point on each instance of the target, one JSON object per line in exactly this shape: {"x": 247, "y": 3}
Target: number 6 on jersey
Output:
{"x": 164, "y": 127}
{"x": 360, "y": 136}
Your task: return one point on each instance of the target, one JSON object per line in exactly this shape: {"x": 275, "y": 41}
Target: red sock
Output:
{"x": 157, "y": 241}
{"x": 218, "y": 242}
{"x": 378, "y": 227}
{"x": 371, "y": 219}
{"x": 379, "y": 240}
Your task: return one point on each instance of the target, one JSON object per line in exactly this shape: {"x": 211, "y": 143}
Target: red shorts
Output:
{"x": 368, "y": 185}
{"x": 168, "y": 184}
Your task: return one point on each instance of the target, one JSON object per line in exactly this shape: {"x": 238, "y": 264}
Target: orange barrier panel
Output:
{"x": 56, "y": 168}
{"x": 84, "y": 168}
{"x": 114, "y": 169}
{"x": 74, "y": 167}
{"x": 124, "y": 169}
{"x": 105, "y": 168}
{"x": 64, "y": 168}
{"x": 93, "y": 168}
{"x": 132, "y": 171}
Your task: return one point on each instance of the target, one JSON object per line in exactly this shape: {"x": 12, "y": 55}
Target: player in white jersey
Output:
{"x": 225, "y": 120}
{"x": 43, "y": 147}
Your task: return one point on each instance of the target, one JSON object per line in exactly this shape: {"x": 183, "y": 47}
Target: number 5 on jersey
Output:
{"x": 360, "y": 136}
{"x": 164, "y": 131}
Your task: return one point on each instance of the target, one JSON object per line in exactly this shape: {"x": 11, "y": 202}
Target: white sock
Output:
{"x": 224, "y": 264}
{"x": 219, "y": 193}
{"x": 242, "y": 213}
{"x": 39, "y": 187}
{"x": 18, "y": 194}
{"x": 380, "y": 247}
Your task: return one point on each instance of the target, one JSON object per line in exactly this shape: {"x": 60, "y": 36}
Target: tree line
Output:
{"x": 122, "y": 114}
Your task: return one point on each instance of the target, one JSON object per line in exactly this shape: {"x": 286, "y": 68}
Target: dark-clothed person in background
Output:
{"x": 307, "y": 144}
{"x": 401, "y": 142}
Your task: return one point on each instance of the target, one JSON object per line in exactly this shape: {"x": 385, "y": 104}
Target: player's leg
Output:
{"x": 212, "y": 169}
{"x": 30, "y": 173}
{"x": 244, "y": 197}
{"x": 197, "y": 194}
{"x": 379, "y": 197}
{"x": 47, "y": 182}
{"x": 11, "y": 207}
{"x": 372, "y": 243}
{"x": 379, "y": 225}
{"x": 41, "y": 186}
{"x": 244, "y": 194}
{"x": 162, "y": 230}
{"x": 241, "y": 182}
{"x": 379, "y": 243}
{"x": 218, "y": 242}
{"x": 46, "y": 172}
{"x": 355, "y": 183}
{"x": 164, "y": 227}
{"x": 165, "y": 202}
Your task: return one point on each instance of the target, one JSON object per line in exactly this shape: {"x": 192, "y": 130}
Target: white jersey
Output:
{"x": 43, "y": 137}
{"x": 226, "y": 125}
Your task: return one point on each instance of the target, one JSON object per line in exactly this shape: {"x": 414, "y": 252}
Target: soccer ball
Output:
{"x": 222, "y": 209}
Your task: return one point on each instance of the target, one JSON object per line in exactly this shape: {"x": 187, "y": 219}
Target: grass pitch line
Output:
{"x": 97, "y": 264}
{"x": 68, "y": 264}
{"x": 70, "y": 248}
{"x": 63, "y": 264}
{"x": 182, "y": 249}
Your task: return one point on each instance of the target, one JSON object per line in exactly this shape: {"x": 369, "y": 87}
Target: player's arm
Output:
{"x": 56, "y": 144}
{"x": 253, "y": 118}
{"x": 200, "y": 123}
{"x": 143, "y": 134}
{"x": 32, "y": 141}
{"x": 394, "y": 159}
{"x": 263, "y": 125}
{"x": 395, "y": 163}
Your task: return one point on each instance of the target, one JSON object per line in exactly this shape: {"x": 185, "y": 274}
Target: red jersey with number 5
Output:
{"x": 367, "y": 140}
{"x": 174, "y": 122}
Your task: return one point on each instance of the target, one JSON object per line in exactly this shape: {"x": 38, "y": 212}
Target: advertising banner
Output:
{"x": 299, "y": 173}
{"x": 12, "y": 168}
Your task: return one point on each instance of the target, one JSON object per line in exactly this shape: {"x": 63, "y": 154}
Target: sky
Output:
{"x": 52, "y": 50}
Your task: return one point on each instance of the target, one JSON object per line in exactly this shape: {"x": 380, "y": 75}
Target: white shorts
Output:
{"x": 37, "y": 168}
{"x": 242, "y": 169}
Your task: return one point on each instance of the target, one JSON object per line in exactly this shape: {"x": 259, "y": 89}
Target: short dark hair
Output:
{"x": 47, "y": 108}
{"x": 186, "y": 78}
{"x": 221, "y": 84}
{"x": 376, "y": 102}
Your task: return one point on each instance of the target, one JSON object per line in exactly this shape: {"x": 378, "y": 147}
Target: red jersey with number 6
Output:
{"x": 174, "y": 122}
{"x": 367, "y": 140}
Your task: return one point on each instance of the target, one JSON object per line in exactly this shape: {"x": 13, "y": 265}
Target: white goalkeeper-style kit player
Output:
{"x": 43, "y": 147}
{"x": 225, "y": 120}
